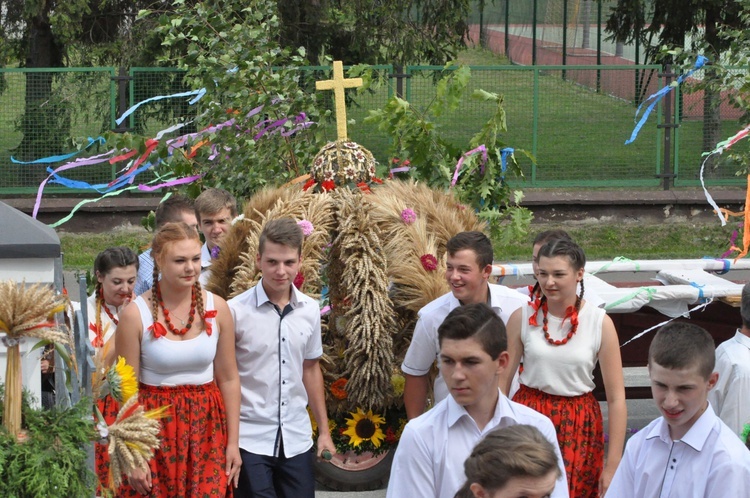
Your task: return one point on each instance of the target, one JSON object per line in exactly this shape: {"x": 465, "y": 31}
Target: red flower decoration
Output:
{"x": 328, "y": 185}
{"x": 364, "y": 187}
{"x": 308, "y": 184}
{"x": 209, "y": 314}
{"x": 158, "y": 330}
{"x": 376, "y": 179}
{"x": 338, "y": 388}
{"x": 299, "y": 280}
{"x": 429, "y": 262}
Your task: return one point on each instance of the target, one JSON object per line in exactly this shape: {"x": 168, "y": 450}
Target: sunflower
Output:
{"x": 364, "y": 427}
{"x": 121, "y": 380}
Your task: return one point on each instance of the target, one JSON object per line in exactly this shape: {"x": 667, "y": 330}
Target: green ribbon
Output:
{"x": 650, "y": 292}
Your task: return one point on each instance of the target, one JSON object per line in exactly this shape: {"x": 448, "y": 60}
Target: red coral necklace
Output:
{"x": 570, "y": 312}
{"x": 106, "y": 308}
{"x": 168, "y": 321}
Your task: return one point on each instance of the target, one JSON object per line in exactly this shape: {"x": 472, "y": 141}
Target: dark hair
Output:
{"x": 548, "y": 235}
{"x": 172, "y": 208}
{"x": 114, "y": 257}
{"x": 567, "y": 248}
{"x": 284, "y": 231}
{"x": 476, "y": 321}
{"x": 477, "y": 242}
{"x": 505, "y": 453}
{"x": 213, "y": 200}
{"x": 574, "y": 253}
{"x": 745, "y": 306}
{"x": 681, "y": 345}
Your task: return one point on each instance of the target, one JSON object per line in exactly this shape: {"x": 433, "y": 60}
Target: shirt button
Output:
{"x": 674, "y": 460}
{"x": 283, "y": 339}
{"x": 283, "y": 361}
{"x": 283, "y": 382}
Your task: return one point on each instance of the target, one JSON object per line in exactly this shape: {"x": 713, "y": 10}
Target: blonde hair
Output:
{"x": 168, "y": 234}
{"x": 515, "y": 451}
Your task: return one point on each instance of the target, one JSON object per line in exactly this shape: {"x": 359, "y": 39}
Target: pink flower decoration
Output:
{"x": 409, "y": 216}
{"x": 429, "y": 262}
{"x": 306, "y": 226}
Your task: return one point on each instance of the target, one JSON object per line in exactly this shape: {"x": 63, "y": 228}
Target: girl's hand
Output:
{"x": 234, "y": 463}
{"x": 140, "y": 480}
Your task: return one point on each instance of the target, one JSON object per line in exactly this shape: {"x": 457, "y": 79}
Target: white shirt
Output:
{"x": 731, "y": 394}
{"x": 145, "y": 278}
{"x": 566, "y": 370}
{"x": 165, "y": 362}
{"x": 709, "y": 461}
{"x": 205, "y": 264}
{"x": 270, "y": 354}
{"x": 425, "y": 348}
{"x": 108, "y": 326}
{"x": 429, "y": 459}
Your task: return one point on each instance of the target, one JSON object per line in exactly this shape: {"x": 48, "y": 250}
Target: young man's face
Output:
{"x": 279, "y": 265}
{"x": 470, "y": 373}
{"x": 467, "y": 280}
{"x": 215, "y": 226}
{"x": 681, "y": 395}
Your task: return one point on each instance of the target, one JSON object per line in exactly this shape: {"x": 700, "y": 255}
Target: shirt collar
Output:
{"x": 742, "y": 338}
{"x": 205, "y": 256}
{"x": 503, "y": 410}
{"x": 494, "y": 300}
{"x": 262, "y": 298}
{"x": 696, "y": 436}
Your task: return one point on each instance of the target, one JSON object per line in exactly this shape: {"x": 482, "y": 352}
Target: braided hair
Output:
{"x": 167, "y": 234}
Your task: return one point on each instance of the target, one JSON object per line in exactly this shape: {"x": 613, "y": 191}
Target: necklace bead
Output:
{"x": 571, "y": 312}
{"x": 167, "y": 319}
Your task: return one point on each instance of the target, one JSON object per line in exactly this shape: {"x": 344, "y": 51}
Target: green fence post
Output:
{"x": 533, "y": 36}
{"x": 507, "y": 28}
{"x": 535, "y": 122}
{"x": 565, "y": 36}
{"x": 598, "y": 45}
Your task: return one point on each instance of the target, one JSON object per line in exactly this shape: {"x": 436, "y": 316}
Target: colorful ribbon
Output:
{"x": 465, "y": 155}
{"x": 197, "y": 93}
{"x": 63, "y": 157}
{"x": 656, "y": 97}
{"x": 650, "y": 293}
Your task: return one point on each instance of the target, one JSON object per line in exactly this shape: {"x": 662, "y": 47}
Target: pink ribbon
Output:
{"x": 460, "y": 163}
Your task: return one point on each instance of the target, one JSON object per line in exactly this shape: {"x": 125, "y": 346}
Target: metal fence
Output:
{"x": 573, "y": 118}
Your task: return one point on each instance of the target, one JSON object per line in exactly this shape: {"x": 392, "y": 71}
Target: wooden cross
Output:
{"x": 337, "y": 84}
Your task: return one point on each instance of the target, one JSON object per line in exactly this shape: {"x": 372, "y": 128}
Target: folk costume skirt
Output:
{"x": 109, "y": 408}
{"x": 190, "y": 462}
{"x": 580, "y": 433}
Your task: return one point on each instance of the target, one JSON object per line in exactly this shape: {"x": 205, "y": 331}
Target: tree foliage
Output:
{"x": 396, "y": 32}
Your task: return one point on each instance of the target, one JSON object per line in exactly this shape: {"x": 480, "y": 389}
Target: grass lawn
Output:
{"x": 600, "y": 241}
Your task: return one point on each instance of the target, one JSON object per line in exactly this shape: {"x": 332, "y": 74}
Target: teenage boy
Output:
{"x": 278, "y": 345}
{"x": 215, "y": 209}
{"x": 173, "y": 209}
{"x": 429, "y": 460}
{"x": 468, "y": 269}
{"x": 688, "y": 451}
{"x": 731, "y": 396}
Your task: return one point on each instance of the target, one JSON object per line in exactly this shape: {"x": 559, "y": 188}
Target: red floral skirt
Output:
{"x": 191, "y": 459}
{"x": 109, "y": 408}
{"x": 580, "y": 433}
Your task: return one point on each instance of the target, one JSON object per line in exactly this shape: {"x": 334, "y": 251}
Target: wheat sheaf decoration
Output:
{"x": 25, "y": 311}
{"x": 133, "y": 437}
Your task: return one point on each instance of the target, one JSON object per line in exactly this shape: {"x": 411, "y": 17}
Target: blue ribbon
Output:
{"x": 56, "y": 159}
{"x": 727, "y": 265}
{"x": 699, "y": 63}
{"x": 508, "y": 151}
{"x": 198, "y": 95}
{"x": 700, "y": 291}
{"x": 99, "y": 187}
